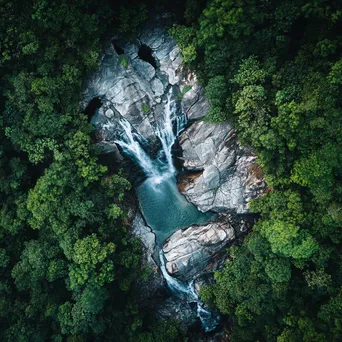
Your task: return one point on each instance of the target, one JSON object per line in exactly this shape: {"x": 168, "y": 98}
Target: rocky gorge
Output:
{"x": 149, "y": 101}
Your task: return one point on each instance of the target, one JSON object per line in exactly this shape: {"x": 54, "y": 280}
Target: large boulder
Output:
{"x": 188, "y": 252}
{"x": 227, "y": 176}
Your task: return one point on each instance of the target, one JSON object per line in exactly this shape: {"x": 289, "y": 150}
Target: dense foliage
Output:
{"x": 67, "y": 259}
{"x": 274, "y": 69}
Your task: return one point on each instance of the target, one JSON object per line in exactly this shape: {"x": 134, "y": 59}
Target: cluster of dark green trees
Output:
{"x": 274, "y": 69}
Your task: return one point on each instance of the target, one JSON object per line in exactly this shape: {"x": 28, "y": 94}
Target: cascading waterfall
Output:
{"x": 164, "y": 208}
{"x": 167, "y": 134}
{"x": 131, "y": 143}
{"x": 209, "y": 320}
{"x": 167, "y": 131}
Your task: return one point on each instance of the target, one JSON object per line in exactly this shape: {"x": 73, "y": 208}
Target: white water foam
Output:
{"x": 167, "y": 131}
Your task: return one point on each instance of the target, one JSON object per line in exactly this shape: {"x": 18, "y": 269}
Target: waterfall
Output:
{"x": 167, "y": 131}
{"x": 208, "y": 319}
{"x": 131, "y": 143}
{"x": 174, "y": 284}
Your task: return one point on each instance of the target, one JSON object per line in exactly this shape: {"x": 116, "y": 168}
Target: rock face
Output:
{"x": 188, "y": 252}
{"x": 135, "y": 84}
{"x": 146, "y": 289}
{"x": 145, "y": 234}
{"x": 229, "y": 177}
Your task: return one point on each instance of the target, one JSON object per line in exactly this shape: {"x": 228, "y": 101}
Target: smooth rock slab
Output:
{"x": 188, "y": 252}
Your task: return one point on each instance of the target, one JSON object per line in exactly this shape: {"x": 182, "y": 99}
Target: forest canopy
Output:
{"x": 68, "y": 261}
{"x": 67, "y": 258}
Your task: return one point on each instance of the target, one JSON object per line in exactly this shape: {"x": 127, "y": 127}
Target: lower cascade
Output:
{"x": 163, "y": 206}
{"x": 208, "y": 319}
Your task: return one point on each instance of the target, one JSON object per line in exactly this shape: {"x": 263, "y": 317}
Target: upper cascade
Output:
{"x": 147, "y": 96}
{"x": 167, "y": 131}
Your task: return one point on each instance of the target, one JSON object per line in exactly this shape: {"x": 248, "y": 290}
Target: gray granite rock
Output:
{"x": 129, "y": 91}
{"x": 193, "y": 103}
{"x": 145, "y": 234}
{"x": 188, "y": 252}
{"x": 229, "y": 179}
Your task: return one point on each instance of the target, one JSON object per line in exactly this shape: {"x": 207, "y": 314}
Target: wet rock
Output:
{"x": 188, "y": 252}
{"x": 230, "y": 177}
{"x": 181, "y": 310}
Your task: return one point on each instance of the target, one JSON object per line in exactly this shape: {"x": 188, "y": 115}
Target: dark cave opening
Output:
{"x": 145, "y": 53}
{"x": 119, "y": 50}
{"x": 93, "y": 105}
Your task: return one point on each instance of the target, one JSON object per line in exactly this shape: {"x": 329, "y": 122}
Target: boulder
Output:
{"x": 229, "y": 177}
{"x": 188, "y": 252}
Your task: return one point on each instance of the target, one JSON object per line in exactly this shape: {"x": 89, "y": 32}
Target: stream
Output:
{"x": 165, "y": 209}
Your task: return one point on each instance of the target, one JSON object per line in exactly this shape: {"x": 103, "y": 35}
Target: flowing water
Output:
{"x": 208, "y": 319}
{"x": 165, "y": 209}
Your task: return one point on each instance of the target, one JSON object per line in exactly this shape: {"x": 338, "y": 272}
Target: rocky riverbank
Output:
{"x": 134, "y": 83}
